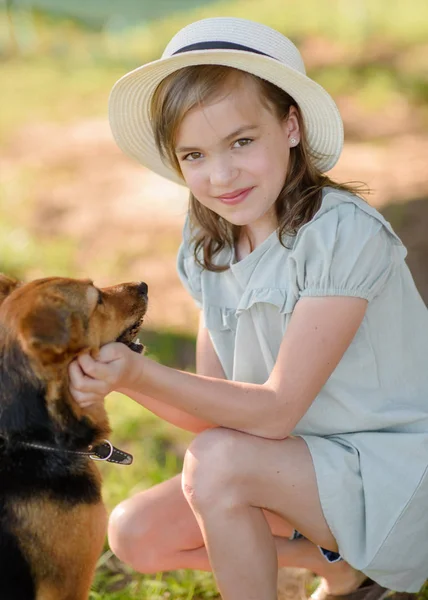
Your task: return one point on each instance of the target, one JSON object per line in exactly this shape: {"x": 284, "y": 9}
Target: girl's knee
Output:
{"x": 210, "y": 468}
{"x": 122, "y": 531}
{"x": 134, "y": 537}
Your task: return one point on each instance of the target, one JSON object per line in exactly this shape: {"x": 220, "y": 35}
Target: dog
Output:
{"x": 52, "y": 519}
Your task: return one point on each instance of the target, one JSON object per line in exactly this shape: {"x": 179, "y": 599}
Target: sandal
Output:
{"x": 368, "y": 590}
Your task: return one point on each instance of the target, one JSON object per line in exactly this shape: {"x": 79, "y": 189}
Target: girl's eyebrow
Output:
{"x": 228, "y": 138}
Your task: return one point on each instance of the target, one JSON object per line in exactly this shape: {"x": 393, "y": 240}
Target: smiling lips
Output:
{"x": 235, "y": 197}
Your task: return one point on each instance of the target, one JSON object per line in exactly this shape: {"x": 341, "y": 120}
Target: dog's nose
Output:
{"x": 143, "y": 288}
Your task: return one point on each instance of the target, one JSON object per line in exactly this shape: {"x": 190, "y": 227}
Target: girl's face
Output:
{"x": 234, "y": 155}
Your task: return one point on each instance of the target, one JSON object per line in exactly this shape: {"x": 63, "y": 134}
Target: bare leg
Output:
{"x": 228, "y": 478}
{"x": 339, "y": 577}
{"x": 156, "y": 530}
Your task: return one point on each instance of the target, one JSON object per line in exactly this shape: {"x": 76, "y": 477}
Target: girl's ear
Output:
{"x": 292, "y": 127}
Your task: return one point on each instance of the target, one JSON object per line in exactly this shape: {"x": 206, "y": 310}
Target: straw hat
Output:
{"x": 238, "y": 43}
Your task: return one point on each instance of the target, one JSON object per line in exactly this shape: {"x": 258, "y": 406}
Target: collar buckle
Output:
{"x": 107, "y": 452}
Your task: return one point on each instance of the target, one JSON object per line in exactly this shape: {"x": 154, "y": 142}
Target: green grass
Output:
{"x": 119, "y": 583}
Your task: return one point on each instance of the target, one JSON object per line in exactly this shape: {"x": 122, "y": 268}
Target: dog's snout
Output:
{"x": 143, "y": 288}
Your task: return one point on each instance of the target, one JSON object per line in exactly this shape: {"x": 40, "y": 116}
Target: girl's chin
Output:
{"x": 236, "y": 217}
{"x": 243, "y": 216}
{"x": 246, "y": 219}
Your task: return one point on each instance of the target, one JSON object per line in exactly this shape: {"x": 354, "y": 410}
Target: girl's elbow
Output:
{"x": 278, "y": 432}
{"x": 268, "y": 434}
{"x": 273, "y": 429}
{"x": 280, "y": 435}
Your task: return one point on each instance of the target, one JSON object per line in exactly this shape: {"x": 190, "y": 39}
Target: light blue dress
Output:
{"x": 367, "y": 430}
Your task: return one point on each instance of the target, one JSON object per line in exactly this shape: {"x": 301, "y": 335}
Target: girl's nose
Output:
{"x": 222, "y": 172}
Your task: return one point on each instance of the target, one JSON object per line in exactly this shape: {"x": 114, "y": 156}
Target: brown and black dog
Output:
{"x": 52, "y": 519}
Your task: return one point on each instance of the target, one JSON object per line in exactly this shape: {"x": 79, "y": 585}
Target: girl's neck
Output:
{"x": 249, "y": 239}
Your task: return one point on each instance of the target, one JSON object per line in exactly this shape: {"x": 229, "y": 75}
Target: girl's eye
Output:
{"x": 243, "y": 142}
{"x": 192, "y": 156}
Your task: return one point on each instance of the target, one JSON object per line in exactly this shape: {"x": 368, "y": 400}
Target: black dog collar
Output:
{"x": 102, "y": 452}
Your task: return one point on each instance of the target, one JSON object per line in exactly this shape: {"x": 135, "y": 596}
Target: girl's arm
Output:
{"x": 319, "y": 332}
{"x": 207, "y": 363}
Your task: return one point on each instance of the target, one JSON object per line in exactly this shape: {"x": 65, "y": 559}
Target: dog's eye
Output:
{"x": 100, "y": 298}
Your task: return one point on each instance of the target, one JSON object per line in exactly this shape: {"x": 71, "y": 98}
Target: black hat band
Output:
{"x": 218, "y": 46}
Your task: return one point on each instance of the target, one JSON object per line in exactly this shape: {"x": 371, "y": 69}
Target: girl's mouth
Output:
{"x": 235, "y": 197}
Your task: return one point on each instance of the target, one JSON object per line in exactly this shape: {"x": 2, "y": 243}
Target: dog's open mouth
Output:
{"x": 130, "y": 339}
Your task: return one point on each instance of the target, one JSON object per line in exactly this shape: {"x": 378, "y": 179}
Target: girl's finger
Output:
{"x": 91, "y": 367}
{"x": 92, "y": 386}
{"x": 75, "y": 374}
{"x": 80, "y": 381}
{"x": 111, "y": 352}
{"x": 85, "y": 400}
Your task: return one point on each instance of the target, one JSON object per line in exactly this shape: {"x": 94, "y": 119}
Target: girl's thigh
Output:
{"x": 161, "y": 516}
{"x": 245, "y": 470}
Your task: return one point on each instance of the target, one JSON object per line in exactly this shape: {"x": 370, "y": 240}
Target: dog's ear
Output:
{"x": 53, "y": 334}
{"x": 7, "y": 285}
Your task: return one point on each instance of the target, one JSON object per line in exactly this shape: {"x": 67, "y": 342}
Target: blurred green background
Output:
{"x": 72, "y": 204}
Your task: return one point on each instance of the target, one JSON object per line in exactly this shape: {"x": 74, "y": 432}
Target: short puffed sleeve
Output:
{"x": 188, "y": 270}
{"x": 344, "y": 252}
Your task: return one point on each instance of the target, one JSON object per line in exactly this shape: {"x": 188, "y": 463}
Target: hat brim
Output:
{"x": 130, "y": 98}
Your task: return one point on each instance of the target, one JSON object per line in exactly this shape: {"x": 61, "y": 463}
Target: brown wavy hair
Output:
{"x": 301, "y": 194}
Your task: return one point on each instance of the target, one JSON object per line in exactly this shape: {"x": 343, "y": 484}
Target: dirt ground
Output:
{"x": 127, "y": 221}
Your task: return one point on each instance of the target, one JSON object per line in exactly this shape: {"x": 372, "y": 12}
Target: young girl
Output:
{"x": 310, "y": 398}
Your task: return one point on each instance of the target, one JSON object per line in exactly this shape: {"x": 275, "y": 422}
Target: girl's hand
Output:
{"x": 92, "y": 379}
